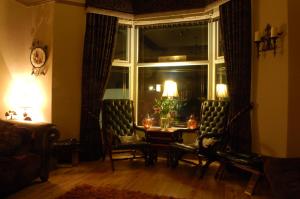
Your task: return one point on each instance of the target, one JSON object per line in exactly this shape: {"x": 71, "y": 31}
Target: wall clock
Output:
{"x": 38, "y": 58}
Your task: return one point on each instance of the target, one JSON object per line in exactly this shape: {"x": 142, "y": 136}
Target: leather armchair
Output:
{"x": 211, "y": 134}
{"x": 119, "y": 130}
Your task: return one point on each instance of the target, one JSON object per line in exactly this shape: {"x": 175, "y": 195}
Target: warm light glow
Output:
{"x": 158, "y": 88}
{"x": 25, "y": 94}
{"x": 151, "y": 88}
{"x": 222, "y": 90}
{"x": 170, "y": 89}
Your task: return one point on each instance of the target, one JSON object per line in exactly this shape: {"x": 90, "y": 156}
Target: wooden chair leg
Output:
{"x": 111, "y": 161}
{"x": 134, "y": 154}
{"x": 204, "y": 168}
{"x": 220, "y": 172}
{"x": 252, "y": 184}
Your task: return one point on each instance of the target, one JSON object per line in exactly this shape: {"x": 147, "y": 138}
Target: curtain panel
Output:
{"x": 97, "y": 59}
{"x": 235, "y": 21}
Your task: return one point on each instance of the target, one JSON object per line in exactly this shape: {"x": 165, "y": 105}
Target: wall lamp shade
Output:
{"x": 170, "y": 89}
{"x": 221, "y": 91}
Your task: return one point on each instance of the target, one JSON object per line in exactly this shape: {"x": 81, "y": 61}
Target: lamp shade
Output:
{"x": 221, "y": 90}
{"x": 170, "y": 89}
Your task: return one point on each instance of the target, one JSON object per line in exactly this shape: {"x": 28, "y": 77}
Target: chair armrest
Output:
{"x": 139, "y": 128}
{"x": 210, "y": 135}
{"x": 212, "y": 139}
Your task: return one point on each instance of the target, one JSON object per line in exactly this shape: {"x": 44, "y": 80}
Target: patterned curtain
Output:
{"x": 97, "y": 58}
{"x": 235, "y": 21}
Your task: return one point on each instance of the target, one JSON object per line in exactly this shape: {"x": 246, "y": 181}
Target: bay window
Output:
{"x": 188, "y": 53}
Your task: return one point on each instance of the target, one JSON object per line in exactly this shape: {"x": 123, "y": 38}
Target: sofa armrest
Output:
{"x": 43, "y": 139}
{"x": 43, "y": 135}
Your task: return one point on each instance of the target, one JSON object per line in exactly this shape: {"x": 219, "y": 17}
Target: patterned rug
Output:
{"x": 89, "y": 192}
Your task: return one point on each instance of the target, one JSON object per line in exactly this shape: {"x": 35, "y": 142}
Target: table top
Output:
{"x": 168, "y": 130}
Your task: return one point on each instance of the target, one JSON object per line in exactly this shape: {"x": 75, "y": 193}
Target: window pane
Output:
{"x": 118, "y": 83}
{"x": 220, "y": 42}
{"x": 192, "y": 89}
{"x": 175, "y": 42}
{"x": 121, "y": 45}
{"x": 221, "y": 81}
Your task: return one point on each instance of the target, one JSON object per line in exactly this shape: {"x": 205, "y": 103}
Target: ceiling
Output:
{"x": 148, "y": 6}
{"x": 32, "y": 2}
{"x": 134, "y": 6}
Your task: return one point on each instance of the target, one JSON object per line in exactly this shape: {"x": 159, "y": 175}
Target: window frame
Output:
{"x": 216, "y": 59}
{"x": 207, "y": 63}
{"x": 134, "y": 65}
{"x": 129, "y": 54}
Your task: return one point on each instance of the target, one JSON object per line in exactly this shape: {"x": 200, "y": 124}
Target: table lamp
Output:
{"x": 170, "y": 89}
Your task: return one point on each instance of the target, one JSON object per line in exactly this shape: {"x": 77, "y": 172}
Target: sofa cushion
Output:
{"x": 17, "y": 171}
{"x": 5, "y": 125}
{"x": 14, "y": 140}
{"x": 10, "y": 140}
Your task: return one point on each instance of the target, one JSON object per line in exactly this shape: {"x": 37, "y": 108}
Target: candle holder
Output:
{"x": 267, "y": 41}
{"x": 147, "y": 122}
{"x": 192, "y": 122}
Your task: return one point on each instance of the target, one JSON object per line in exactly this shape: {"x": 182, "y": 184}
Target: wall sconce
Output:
{"x": 267, "y": 41}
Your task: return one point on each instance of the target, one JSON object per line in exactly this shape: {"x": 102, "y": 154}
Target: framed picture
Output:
{"x": 38, "y": 58}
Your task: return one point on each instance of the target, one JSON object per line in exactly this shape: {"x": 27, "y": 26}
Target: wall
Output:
{"x": 61, "y": 27}
{"x": 275, "y": 82}
{"x": 68, "y": 36}
{"x": 19, "y": 26}
{"x": 270, "y": 83}
{"x": 293, "y": 149}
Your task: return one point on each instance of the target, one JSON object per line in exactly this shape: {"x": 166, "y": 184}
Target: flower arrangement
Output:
{"x": 165, "y": 107}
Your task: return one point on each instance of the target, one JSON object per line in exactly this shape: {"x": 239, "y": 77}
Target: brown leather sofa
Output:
{"x": 25, "y": 150}
{"x": 283, "y": 175}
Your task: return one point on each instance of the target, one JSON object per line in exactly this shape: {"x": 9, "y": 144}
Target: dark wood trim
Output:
{"x": 71, "y": 3}
{"x": 66, "y": 2}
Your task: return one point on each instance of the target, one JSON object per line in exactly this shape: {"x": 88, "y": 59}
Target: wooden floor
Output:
{"x": 180, "y": 182}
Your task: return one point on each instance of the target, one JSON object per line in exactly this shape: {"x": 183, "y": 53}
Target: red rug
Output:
{"x": 90, "y": 192}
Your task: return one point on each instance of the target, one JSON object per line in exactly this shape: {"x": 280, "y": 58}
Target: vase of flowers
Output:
{"x": 166, "y": 108}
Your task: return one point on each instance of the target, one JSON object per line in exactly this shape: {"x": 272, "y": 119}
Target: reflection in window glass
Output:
{"x": 220, "y": 42}
{"x": 121, "y": 44}
{"x": 221, "y": 77}
{"x": 221, "y": 81}
{"x": 191, "y": 83}
{"x": 118, "y": 83}
{"x": 173, "y": 42}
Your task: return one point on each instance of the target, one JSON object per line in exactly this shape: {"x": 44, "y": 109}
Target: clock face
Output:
{"x": 38, "y": 57}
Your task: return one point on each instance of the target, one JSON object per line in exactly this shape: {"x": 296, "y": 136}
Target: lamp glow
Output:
{"x": 26, "y": 95}
{"x": 170, "y": 89}
{"x": 221, "y": 91}
{"x": 158, "y": 88}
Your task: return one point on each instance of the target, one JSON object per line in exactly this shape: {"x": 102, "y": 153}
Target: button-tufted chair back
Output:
{"x": 213, "y": 116}
{"x": 119, "y": 131}
{"x": 118, "y": 115}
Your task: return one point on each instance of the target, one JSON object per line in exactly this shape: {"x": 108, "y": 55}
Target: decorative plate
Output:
{"x": 38, "y": 57}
